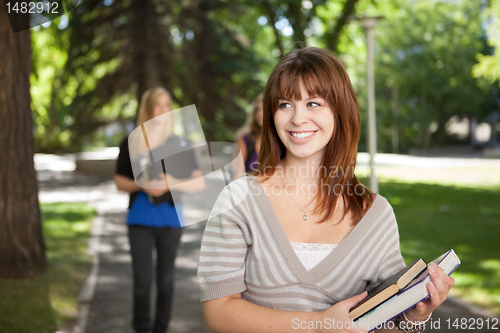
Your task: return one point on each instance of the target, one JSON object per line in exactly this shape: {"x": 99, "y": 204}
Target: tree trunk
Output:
{"x": 22, "y": 249}
{"x": 146, "y": 51}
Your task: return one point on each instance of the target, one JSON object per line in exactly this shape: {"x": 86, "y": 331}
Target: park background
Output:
{"x": 71, "y": 86}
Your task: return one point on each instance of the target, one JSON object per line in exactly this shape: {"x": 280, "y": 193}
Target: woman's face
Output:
{"x": 162, "y": 106}
{"x": 304, "y": 126}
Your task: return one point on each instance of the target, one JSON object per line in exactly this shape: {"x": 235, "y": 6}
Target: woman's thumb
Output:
{"x": 353, "y": 301}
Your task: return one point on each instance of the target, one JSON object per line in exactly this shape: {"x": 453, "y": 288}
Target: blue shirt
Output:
{"x": 144, "y": 213}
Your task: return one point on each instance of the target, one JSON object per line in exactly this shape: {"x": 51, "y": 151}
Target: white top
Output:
{"x": 311, "y": 254}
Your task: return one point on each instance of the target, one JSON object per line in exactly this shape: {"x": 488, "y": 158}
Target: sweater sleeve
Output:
{"x": 392, "y": 260}
{"x": 221, "y": 269}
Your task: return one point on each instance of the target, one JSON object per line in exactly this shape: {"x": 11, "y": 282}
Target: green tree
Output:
{"x": 214, "y": 54}
{"x": 489, "y": 63}
{"x": 122, "y": 48}
{"x": 425, "y": 56}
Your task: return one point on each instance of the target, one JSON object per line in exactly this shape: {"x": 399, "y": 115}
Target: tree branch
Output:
{"x": 269, "y": 9}
{"x": 347, "y": 11}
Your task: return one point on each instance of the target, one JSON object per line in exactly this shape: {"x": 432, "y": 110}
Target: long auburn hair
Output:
{"x": 324, "y": 76}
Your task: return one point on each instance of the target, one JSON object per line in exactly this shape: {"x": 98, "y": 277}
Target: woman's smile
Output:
{"x": 302, "y": 136}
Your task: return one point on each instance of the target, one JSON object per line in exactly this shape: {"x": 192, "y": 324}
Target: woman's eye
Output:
{"x": 284, "y": 105}
{"x": 313, "y": 104}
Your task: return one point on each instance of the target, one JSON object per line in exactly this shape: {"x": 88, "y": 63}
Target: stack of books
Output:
{"x": 399, "y": 293}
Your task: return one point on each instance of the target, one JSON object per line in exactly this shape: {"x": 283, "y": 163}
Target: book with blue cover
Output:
{"x": 415, "y": 292}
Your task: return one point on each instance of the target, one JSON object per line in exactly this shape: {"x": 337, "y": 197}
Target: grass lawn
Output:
{"x": 47, "y": 302}
{"x": 434, "y": 218}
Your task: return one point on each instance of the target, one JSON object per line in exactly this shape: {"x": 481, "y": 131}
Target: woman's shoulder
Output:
{"x": 380, "y": 201}
{"x": 242, "y": 186}
{"x": 123, "y": 147}
{"x": 380, "y": 210}
{"x": 124, "y": 142}
{"x": 237, "y": 192}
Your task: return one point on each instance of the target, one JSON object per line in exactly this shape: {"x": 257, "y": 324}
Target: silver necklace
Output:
{"x": 305, "y": 213}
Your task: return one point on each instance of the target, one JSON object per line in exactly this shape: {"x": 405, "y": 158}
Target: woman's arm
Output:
{"x": 233, "y": 314}
{"x": 193, "y": 184}
{"x": 123, "y": 183}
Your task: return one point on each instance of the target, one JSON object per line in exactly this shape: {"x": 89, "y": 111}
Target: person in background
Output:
{"x": 152, "y": 219}
{"x": 248, "y": 139}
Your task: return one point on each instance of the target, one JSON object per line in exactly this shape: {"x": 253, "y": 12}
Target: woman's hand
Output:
{"x": 438, "y": 290}
{"x": 339, "y": 315}
{"x": 158, "y": 186}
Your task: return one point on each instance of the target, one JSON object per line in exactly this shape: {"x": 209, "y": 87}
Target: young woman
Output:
{"x": 300, "y": 240}
{"x": 154, "y": 222}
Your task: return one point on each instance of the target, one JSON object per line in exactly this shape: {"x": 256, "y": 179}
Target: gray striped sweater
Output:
{"x": 245, "y": 250}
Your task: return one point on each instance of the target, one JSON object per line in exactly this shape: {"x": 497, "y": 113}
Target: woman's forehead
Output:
{"x": 304, "y": 87}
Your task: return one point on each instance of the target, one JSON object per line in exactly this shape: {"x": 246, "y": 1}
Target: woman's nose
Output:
{"x": 299, "y": 115}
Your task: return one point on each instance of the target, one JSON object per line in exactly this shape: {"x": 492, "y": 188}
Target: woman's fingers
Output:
{"x": 441, "y": 280}
{"x": 451, "y": 282}
{"x": 353, "y": 301}
{"x": 435, "y": 299}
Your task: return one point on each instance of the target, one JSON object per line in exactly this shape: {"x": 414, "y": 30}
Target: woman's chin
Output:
{"x": 305, "y": 154}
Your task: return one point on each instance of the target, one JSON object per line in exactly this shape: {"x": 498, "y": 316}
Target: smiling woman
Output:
{"x": 275, "y": 254}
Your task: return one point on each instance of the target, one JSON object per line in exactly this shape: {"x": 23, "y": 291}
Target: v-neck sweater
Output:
{"x": 245, "y": 250}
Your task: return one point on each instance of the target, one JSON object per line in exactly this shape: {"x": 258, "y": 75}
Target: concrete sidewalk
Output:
{"x": 110, "y": 309}
{"x": 111, "y": 304}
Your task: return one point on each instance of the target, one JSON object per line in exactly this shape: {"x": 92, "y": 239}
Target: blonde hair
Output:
{"x": 148, "y": 101}
{"x": 145, "y": 113}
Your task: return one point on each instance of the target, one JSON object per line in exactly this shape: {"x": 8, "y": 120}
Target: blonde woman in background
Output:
{"x": 152, "y": 219}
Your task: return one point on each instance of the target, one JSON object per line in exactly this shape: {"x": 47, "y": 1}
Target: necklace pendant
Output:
{"x": 305, "y": 216}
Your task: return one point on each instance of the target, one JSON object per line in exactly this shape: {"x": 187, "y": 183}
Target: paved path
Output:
{"x": 110, "y": 310}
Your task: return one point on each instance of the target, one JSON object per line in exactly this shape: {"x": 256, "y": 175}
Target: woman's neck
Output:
{"x": 301, "y": 170}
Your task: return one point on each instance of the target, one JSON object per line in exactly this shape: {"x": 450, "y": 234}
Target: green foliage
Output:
{"x": 489, "y": 64}
{"x": 423, "y": 70}
{"x": 218, "y": 55}
{"x": 48, "y": 59}
{"x": 214, "y": 54}
{"x": 44, "y": 303}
